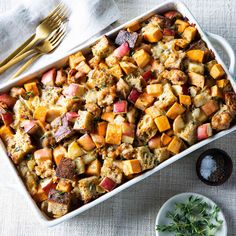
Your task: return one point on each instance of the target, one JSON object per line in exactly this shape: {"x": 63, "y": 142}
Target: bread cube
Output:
{"x": 83, "y": 67}
{"x": 32, "y": 88}
{"x": 94, "y": 62}
{"x": 217, "y": 71}
{"x": 128, "y": 132}
{"x": 153, "y": 111}
{"x": 74, "y": 150}
{"x": 43, "y": 154}
{"x": 215, "y": 91}
{"x": 185, "y": 99}
{"x": 99, "y": 140}
{"x": 144, "y": 101}
{"x": 113, "y": 134}
{"x": 58, "y": 153}
{"x": 175, "y": 145}
{"x": 201, "y": 98}
{"x": 102, "y": 66}
{"x": 115, "y": 71}
{"x": 189, "y": 33}
{"x": 101, "y": 128}
{"x": 181, "y": 25}
{"x": 165, "y": 139}
{"x": 40, "y": 195}
{"x": 196, "y": 79}
{"x": 108, "y": 116}
{"x": 75, "y": 59}
{"x": 127, "y": 67}
{"x": 222, "y": 83}
{"x": 175, "y": 110}
{"x": 84, "y": 122}
{"x": 80, "y": 164}
{"x": 162, "y": 123}
{"x": 94, "y": 168}
{"x": 196, "y": 67}
{"x": 196, "y": 55}
{"x": 40, "y": 113}
{"x": 142, "y": 58}
{"x": 210, "y": 107}
{"x": 131, "y": 167}
{"x": 112, "y": 60}
{"x": 86, "y": 142}
{"x": 54, "y": 112}
{"x": 162, "y": 154}
{"x": 155, "y": 89}
{"x": 152, "y": 33}
{"x": 64, "y": 186}
{"x": 102, "y": 48}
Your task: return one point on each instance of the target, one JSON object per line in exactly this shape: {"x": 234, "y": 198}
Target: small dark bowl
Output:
{"x": 225, "y": 165}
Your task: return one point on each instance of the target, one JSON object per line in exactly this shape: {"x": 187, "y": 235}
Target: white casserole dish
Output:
{"x": 170, "y": 5}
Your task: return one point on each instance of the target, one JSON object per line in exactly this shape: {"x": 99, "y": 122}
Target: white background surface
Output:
{"x": 133, "y": 211}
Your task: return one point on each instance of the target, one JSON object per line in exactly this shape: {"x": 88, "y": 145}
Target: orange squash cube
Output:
{"x": 155, "y": 89}
{"x": 222, "y": 83}
{"x": 113, "y": 134}
{"x": 103, "y": 65}
{"x": 189, "y": 33}
{"x": 134, "y": 26}
{"x": 40, "y": 113}
{"x": 86, "y": 142}
{"x": 175, "y": 145}
{"x": 185, "y": 99}
{"x": 217, "y": 71}
{"x": 108, "y": 116}
{"x": 162, "y": 123}
{"x": 101, "y": 128}
{"x": 94, "y": 168}
{"x": 144, "y": 101}
{"x": 6, "y": 133}
{"x": 175, "y": 110}
{"x": 165, "y": 139}
{"x": 142, "y": 58}
{"x": 152, "y": 34}
{"x": 131, "y": 167}
{"x": 58, "y": 153}
{"x": 181, "y": 25}
{"x": 196, "y": 55}
{"x": 32, "y": 87}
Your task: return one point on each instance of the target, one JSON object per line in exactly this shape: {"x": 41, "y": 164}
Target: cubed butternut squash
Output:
{"x": 181, "y": 25}
{"x": 142, "y": 58}
{"x": 196, "y": 79}
{"x": 162, "y": 123}
{"x": 155, "y": 89}
{"x": 86, "y": 142}
{"x": 165, "y": 139}
{"x": 189, "y": 33}
{"x": 101, "y": 128}
{"x": 175, "y": 110}
{"x": 185, "y": 99}
{"x": 32, "y": 87}
{"x": 58, "y": 153}
{"x": 144, "y": 101}
{"x": 127, "y": 67}
{"x": 40, "y": 113}
{"x": 134, "y": 26}
{"x": 222, "y": 83}
{"x": 108, "y": 116}
{"x": 152, "y": 33}
{"x": 196, "y": 55}
{"x": 113, "y": 134}
{"x": 131, "y": 167}
{"x": 6, "y": 133}
{"x": 175, "y": 145}
{"x": 217, "y": 71}
{"x": 94, "y": 168}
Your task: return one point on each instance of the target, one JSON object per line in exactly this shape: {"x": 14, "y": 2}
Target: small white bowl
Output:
{"x": 169, "y": 206}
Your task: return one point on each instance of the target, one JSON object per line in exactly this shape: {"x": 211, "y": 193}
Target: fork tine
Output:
{"x": 59, "y": 12}
{"x": 54, "y": 11}
{"x": 58, "y": 35}
{"x": 62, "y": 36}
{"x": 60, "y": 6}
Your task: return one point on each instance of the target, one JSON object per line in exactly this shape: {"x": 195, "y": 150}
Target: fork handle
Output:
{"x": 16, "y": 60}
{"x": 26, "y": 65}
{"x": 19, "y": 49}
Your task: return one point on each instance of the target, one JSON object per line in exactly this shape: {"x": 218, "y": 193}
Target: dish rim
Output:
{"x": 168, "y": 5}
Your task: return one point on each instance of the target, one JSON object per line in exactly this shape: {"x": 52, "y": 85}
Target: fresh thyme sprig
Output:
{"x": 193, "y": 218}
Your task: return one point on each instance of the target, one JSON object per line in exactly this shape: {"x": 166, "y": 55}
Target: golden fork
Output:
{"x": 45, "y": 47}
{"x": 50, "y": 23}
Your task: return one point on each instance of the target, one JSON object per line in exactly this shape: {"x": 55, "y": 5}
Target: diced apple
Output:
{"x": 178, "y": 124}
{"x": 122, "y": 50}
{"x": 148, "y": 75}
{"x": 196, "y": 55}
{"x": 54, "y": 112}
{"x": 16, "y": 92}
{"x": 74, "y": 150}
{"x": 98, "y": 140}
{"x": 107, "y": 184}
{"x": 7, "y": 118}
{"x": 48, "y": 77}
{"x": 58, "y": 153}
{"x": 8, "y": 100}
{"x": 47, "y": 184}
{"x": 196, "y": 67}
{"x": 71, "y": 116}
{"x": 165, "y": 139}
{"x": 142, "y": 58}
{"x": 154, "y": 143}
{"x": 113, "y": 134}
{"x": 128, "y": 132}
{"x": 210, "y": 107}
{"x": 94, "y": 168}
{"x": 120, "y": 107}
{"x": 217, "y": 71}
{"x": 75, "y": 90}
{"x": 84, "y": 122}
{"x": 175, "y": 110}
{"x": 168, "y": 32}
{"x": 43, "y": 154}
{"x": 86, "y": 142}
{"x": 204, "y": 131}
{"x": 30, "y": 126}
{"x": 162, "y": 123}
{"x": 172, "y": 14}
{"x": 134, "y": 95}
{"x": 155, "y": 89}
{"x": 196, "y": 79}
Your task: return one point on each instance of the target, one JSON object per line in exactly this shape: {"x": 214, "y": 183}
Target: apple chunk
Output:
{"x": 107, "y": 184}
{"x": 204, "y": 131}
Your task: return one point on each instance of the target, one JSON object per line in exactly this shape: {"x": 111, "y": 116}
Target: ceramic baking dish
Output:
{"x": 170, "y": 5}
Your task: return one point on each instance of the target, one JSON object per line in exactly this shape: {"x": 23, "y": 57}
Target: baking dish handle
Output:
{"x": 227, "y": 48}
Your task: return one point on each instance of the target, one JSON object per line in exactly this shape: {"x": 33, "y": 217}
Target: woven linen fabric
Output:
{"x": 133, "y": 211}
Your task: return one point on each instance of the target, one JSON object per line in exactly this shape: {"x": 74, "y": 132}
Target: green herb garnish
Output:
{"x": 192, "y": 218}
{"x": 28, "y": 95}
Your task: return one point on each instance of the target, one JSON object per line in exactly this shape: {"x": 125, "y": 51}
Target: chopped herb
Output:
{"x": 28, "y": 95}
{"x": 17, "y": 149}
{"x": 29, "y": 156}
{"x": 75, "y": 97}
{"x": 194, "y": 217}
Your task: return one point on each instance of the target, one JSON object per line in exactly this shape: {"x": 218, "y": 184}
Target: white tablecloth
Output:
{"x": 133, "y": 211}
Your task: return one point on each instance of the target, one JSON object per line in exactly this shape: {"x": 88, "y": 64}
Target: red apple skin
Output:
{"x": 172, "y": 14}
{"x": 122, "y": 50}
{"x": 148, "y": 75}
{"x": 47, "y": 185}
{"x": 7, "y": 118}
{"x": 168, "y": 32}
{"x": 31, "y": 127}
{"x": 134, "y": 95}
{"x": 108, "y": 184}
{"x": 204, "y": 131}
{"x": 120, "y": 107}
{"x": 8, "y": 100}
{"x": 48, "y": 77}
{"x": 71, "y": 116}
